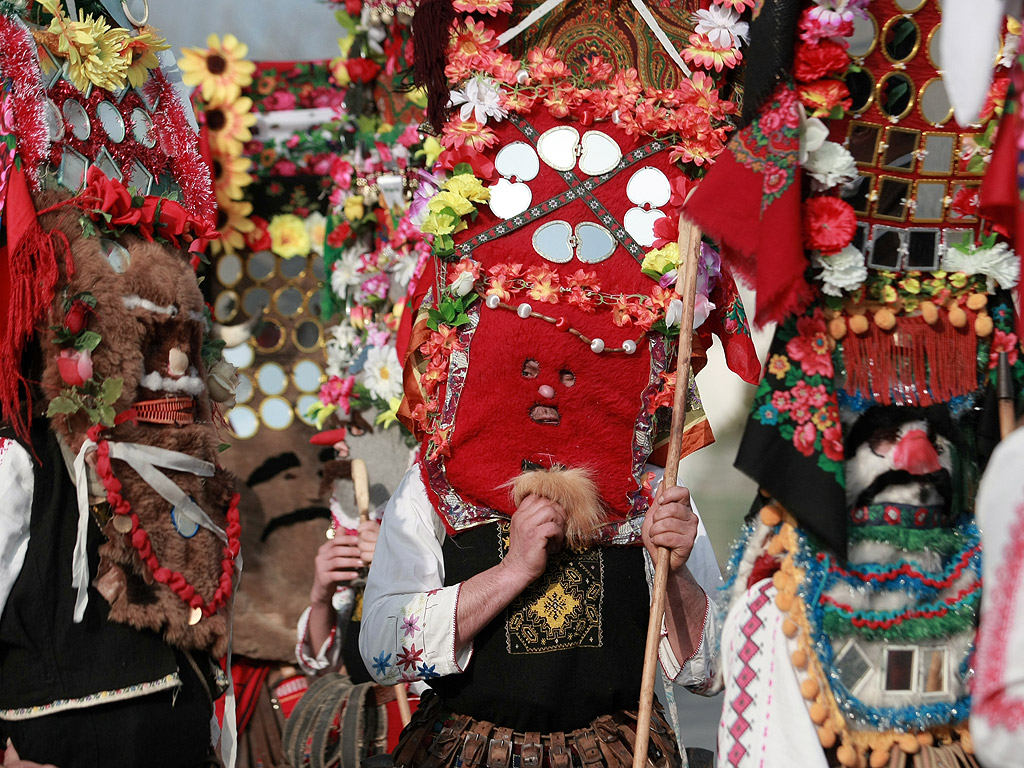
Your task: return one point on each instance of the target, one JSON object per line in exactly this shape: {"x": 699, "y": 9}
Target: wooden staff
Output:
{"x": 361, "y": 482}
{"x": 689, "y": 248}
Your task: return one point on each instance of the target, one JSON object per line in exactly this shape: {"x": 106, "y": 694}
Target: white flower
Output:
{"x": 843, "y": 271}
{"x": 813, "y": 134}
{"x": 382, "y": 373}
{"x": 222, "y": 382}
{"x": 997, "y": 263}
{"x": 403, "y": 269}
{"x": 316, "y": 228}
{"x": 340, "y": 340}
{"x": 722, "y": 26}
{"x": 674, "y": 313}
{"x": 1009, "y": 53}
{"x": 480, "y": 98}
{"x": 831, "y": 165}
{"x": 463, "y": 284}
{"x": 345, "y": 272}
{"x": 702, "y": 309}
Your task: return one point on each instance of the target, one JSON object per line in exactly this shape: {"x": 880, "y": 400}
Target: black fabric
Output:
{"x": 350, "y": 656}
{"x": 551, "y": 689}
{"x": 770, "y": 55}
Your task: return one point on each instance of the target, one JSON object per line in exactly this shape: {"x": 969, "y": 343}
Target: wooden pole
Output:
{"x": 361, "y": 483}
{"x": 689, "y": 248}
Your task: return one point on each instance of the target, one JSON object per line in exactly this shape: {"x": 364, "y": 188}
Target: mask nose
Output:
{"x": 546, "y": 391}
{"x": 915, "y": 453}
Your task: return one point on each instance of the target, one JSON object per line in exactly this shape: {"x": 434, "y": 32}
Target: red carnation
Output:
{"x": 823, "y": 96}
{"x": 362, "y": 70}
{"x": 336, "y": 237}
{"x": 813, "y": 62}
{"x": 259, "y": 238}
{"x": 829, "y": 224}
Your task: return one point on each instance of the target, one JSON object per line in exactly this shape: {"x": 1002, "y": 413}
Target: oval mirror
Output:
{"x": 302, "y": 406}
{"x": 318, "y": 267}
{"x": 293, "y": 268}
{"x": 518, "y": 160}
{"x": 54, "y": 121}
{"x": 865, "y": 35}
{"x": 142, "y": 128}
{"x": 307, "y": 335}
{"x": 271, "y": 379}
{"x": 276, "y": 413}
{"x": 244, "y": 390}
{"x": 594, "y": 243}
{"x": 557, "y": 147}
{"x": 260, "y": 265}
{"x": 225, "y": 306}
{"x": 255, "y": 301}
{"x": 862, "y": 90}
{"x": 935, "y": 105}
{"x": 552, "y": 242}
{"x": 229, "y": 269}
{"x": 289, "y": 301}
{"x": 910, "y": 6}
{"x": 935, "y": 47}
{"x": 111, "y": 121}
{"x": 306, "y": 375}
{"x": 901, "y": 39}
{"x": 649, "y": 187}
{"x": 241, "y": 356}
{"x": 316, "y": 301}
{"x": 600, "y": 153}
{"x": 270, "y": 336}
{"x": 509, "y": 199}
{"x": 78, "y": 119}
{"x": 895, "y": 95}
{"x": 243, "y": 422}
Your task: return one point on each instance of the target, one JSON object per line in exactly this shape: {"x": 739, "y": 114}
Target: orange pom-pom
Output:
{"x": 818, "y": 712}
{"x": 879, "y": 757}
{"x": 799, "y": 658}
{"x": 957, "y": 317}
{"x": 827, "y": 737}
{"x": 784, "y": 600}
{"x": 929, "y": 312}
{"x": 837, "y": 328}
{"x": 809, "y": 689}
{"x": 790, "y": 628}
{"x": 885, "y": 319}
{"x": 770, "y": 515}
{"x": 976, "y": 301}
{"x": 859, "y": 324}
{"x": 983, "y": 326}
{"x": 848, "y": 756}
{"x": 908, "y": 743}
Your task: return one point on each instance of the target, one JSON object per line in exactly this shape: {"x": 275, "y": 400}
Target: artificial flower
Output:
{"x": 94, "y": 51}
{"x": 230, "y": 175}
{"x": 463, "y": 283}
{"x": 75, "y": 366}
{"x": 829, "y": 224}
{"x": 222, "y": 383}
{"x": 220, "y": 72}
{"x": 823, "y": 96}
{"x": 288, "y": 236}
{"x": 438, "y": 224}
{"x": 76, "y": 317}
{"x": 703, "y": 53}
{"x": 337, "y": 391}
{"x": 1003, "y": 342}
{"x": 661, "y": 260}
{"x": 830, "y": 165}
{"x": 545, "y": 66}
{"x": 468, "y": 187}
{"x": 141, "y": 51}
{"x": 469, "y": 133}
{"x": 362, "y": 70}
{"x": 736, "y": 5}
{"x": 965, "y": 202}
{"x": 721, "y": 26}
{"x": 842, "y": 271}
{"x": 257, "y": 239}
{"x": 997, "y": 262}
{"x": 838, "y": 11}
{"x": 811, "y": 347}
{"x": 228, "y": 125}
{"x": 480, "y": 98}
{"x": 382, "y": 373}
{"x": 543, "y": 285}
{"x": 490, "y": 7}
{"x": 316, "y": 230}
{"x": 354, "y": 208}
{"x": 232, "y": 223}
{"x": 813, "y": 62}
{"x": 813, "y": 133}
{"x": 456, "y": 203}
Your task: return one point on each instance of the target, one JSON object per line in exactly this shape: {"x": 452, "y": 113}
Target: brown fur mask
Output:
{"x": 144, "y": 311}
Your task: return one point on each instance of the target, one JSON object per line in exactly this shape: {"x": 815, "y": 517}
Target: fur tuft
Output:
{"x": 575, "y": 492}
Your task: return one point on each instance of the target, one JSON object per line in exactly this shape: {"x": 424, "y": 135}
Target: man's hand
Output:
{"x": 11, "y": 759}
{"x": 368, "y": 532}
{"x": 537, "y": 530}
{"x": 336, "y": 561}
{"x": 670, "y": 523}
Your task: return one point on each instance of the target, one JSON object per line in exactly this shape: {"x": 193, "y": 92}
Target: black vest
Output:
{"x": 44, "y": 656}
{"x": 567, "y": 650}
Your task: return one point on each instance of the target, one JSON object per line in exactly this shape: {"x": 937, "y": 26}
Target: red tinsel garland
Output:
{"x": 20, "y": 67}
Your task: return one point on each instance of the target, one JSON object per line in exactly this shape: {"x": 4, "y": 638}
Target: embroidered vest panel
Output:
{"x": 568, "y": 649}
{"x": 44, "y": 656}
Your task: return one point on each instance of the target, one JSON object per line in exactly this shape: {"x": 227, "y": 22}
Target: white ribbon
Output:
{"x": 144, "y": 459}
{"x": 534, "y": 16}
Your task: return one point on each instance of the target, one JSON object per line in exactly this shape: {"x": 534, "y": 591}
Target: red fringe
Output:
{"x": 913, "y": 364}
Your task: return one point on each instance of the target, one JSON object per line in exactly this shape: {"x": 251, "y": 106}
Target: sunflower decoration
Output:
{"x": 233, "y": 223}
{"x": 141, "y": 51}
{"x": 220, "y": 72}
{"x": 229, "y": 125}
{"x": 230, "y": 175}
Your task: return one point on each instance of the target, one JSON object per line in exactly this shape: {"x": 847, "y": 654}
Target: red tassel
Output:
{"x": 32, "y": 270}
{"x": 431, "y": 30}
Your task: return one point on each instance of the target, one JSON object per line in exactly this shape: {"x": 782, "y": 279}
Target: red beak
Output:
{"x": 916, "y": 454}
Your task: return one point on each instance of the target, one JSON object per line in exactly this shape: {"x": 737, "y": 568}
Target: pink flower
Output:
{"x": 811, "y": 347}
{"x": 832, "y": 442}
{"x": 279, "y": 101}
{"x": 75, "y": 366}
{"x": 803, "y": 438}
{"x": 337, "y": 391}
{"x": 1003, "y": 342}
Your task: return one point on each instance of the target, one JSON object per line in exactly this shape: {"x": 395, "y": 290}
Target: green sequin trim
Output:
{"x": 962, "y": 618}
{"x": 944, "y": 541}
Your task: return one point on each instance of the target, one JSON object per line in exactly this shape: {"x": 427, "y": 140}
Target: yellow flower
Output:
{"x": 316, "y": 228}
{"x": 911, "y": 285}
{"x": 229, "y": 125}
{"x": 354, "y": 208}
{"x": 95, "y": 52}
{"x": 220, "y": 71}
{"x": 288, "y": 236}
{"x": 661, "y": 260}
{"x": 230, "y": 175}
{"x": 778, "y": 366}
{"x": 958, "y": 279}
{"x": 390, "y": 416}
{"x": 430, "y": 152}
{"x": 232, "y": 223}
{"x": 438, "y": 224}
{"x": 889, "y": 294}
{"x": 469, "y": 187}
{"x": 141, "y": 51}
{"x": 445, "y": 199}
{"x": 340, "y": 72}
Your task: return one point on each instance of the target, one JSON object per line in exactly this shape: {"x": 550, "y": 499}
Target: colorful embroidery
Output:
{"x": 903, "y": 515}
{"x": 752, "y": 630}
{"x": 93, "y": 699}
{"x": 770, "y": 146}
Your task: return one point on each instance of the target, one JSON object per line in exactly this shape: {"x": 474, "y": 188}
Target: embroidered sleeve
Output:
{"x": 328, "y": 657}
{"x": 408, "y": 627}
{"x": 18, "y": 486}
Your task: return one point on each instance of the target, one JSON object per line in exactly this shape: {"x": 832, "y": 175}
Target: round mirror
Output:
{"x": 241, "y": 356}
{"x": 276, "y": 413}
{"x": 229, "y": 269}
{"x": 901, "y": 39}
{"x": 244, "y": 390}
{"x": 302, "y": 406}
{"x": 316, "y": 301}
{"x": 289, "y": 301}
{"x": 271, "y": 379}
{"x": 255, "y": 301}
{"x": 518, "y": 160}
{"x": 865, "y": 35}
{"x": 54, "y": 121}
{"x": 318, "y": 268}
{"x": 862, "y": 90}
{"x": 270, "y": 336}
{"x": 909, "y": 6}
{"x": 307, "y": 335}
{"x": 293, "y": 268}
{"x": 935, "y": 106}
{"x": 111, "y": 121}
{"x": 649, "y": 187}
{"x": 225, "y": 306}
{"x": 78, "y": 119}
{"x": 307, "y": 375}
{"x": 895, "y": 95}
{"x": 117, "y": 255}
{"x": 260, "y": 265}
{"x": 242, "y": 422}
{"x": 934, "y": 47}
{"x": 142, "y": 128}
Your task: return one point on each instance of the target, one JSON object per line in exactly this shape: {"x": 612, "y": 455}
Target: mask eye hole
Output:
{"x": 531, "y": 368}
{"x": 882, "y": 441}
{"x": 567, "y": 377}
{"x": 117, "y": 255}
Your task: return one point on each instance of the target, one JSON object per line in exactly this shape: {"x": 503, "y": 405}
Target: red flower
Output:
{"x": 74, "y": 320}
{"x": 259, "y": 238}
{"x": 1003, "y": 342}
{"x": 823, "y": 96}
{"x": 829, "y": 224}
{"x": 803, "y": 438}
{"x": 339, "y": 235}
{"x": 813, "y": 62}
{"x": 362, "y": 70}
{"x": 832, "y": 442}
{"x": 965, "y": 202}
{"x": 482, "y": 167}
{"x": 74, "y": 366}
{"x": 812, "y": 348}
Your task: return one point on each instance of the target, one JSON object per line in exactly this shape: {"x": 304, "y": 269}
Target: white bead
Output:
{"x": 524, "y": 310}
{"x": 629, "y": 346}
{"x": 615, "y": 117}
{"x": 597, "y": 345}
{"x": 492, "y": 301}
{"x": 522, "y": 76}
